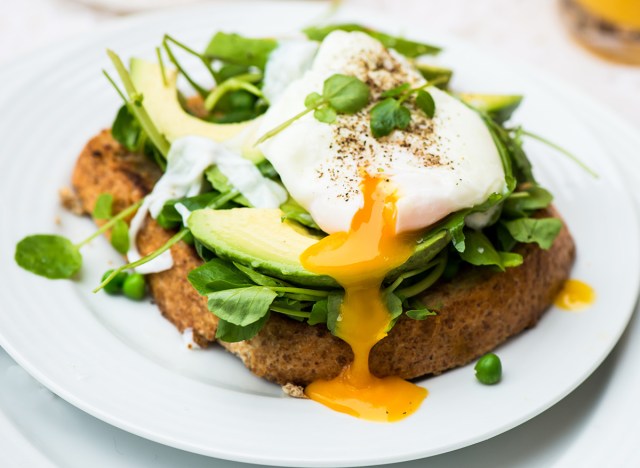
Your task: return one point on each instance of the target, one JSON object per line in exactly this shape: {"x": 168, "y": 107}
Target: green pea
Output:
{"x": 134, "y": 286}
{"x": 489, "y": 369}
{"x": 115, "y": 285}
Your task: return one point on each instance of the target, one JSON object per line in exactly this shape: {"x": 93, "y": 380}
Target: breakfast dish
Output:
{"x": 350, "y": 222}
{"x": 551, "y": 322}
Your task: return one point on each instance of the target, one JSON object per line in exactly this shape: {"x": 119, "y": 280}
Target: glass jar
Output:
{"x": 610, "y": 28}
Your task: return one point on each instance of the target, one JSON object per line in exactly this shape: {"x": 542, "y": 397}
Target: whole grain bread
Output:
{"x": 477, "y": 311}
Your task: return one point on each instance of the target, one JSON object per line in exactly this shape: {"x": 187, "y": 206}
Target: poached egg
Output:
{"x": 372, "y": 195}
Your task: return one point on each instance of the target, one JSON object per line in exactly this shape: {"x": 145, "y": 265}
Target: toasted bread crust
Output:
{"x": 476, "y": 312}
{"x": 105, "y": 167}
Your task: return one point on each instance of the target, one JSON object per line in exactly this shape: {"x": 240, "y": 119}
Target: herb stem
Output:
{"x": 136, "y": 107}
{"x": 189, "y": 50}
{"x": 233, "y": 84}
{"x": 303, "y": 291}
{"x": 147, "y": 258}
{"x": 109, "y": 224}
{"x": 285, "y": 124}
{"x": 427, "y": 281}
{"x": 428, "y": 84}
{"x": 291, "y": 312}
{"x": 560, "y": 149}
{"x": 199, "y": 89}
{"x": 162, "y": 69}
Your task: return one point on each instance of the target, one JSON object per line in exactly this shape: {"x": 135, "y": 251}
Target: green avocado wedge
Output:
{"x": 260, "y": 239}
{"x": 160, "y": 99}
{"x": 500, "y": 107}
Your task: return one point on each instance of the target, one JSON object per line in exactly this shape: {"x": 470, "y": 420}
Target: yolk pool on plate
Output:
{"x": 575, "y": 295}
{"x": 359, "y": 260}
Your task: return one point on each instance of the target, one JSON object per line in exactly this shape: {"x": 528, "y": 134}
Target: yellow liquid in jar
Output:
{"x": 621, "y": 12}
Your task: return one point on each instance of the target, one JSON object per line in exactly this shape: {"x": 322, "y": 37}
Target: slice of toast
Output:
{"x": 477, "y": 310}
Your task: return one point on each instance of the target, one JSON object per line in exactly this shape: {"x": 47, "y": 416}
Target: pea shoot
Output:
{"x": 341, "y": 94}
{"x": 56, "y": 257}
{"x": 489, "y": 369}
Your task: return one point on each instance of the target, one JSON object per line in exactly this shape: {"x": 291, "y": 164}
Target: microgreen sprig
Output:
{"x": 340, "y": 94}
{"x": 57, "y": 257}
{"x": 390, "y": 113}
{"x": 241, "y": 82}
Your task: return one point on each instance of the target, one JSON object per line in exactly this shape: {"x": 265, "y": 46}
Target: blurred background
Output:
{"x": 566, "y": 38}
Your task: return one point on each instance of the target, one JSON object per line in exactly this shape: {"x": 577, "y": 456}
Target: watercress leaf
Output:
{"x": 232, "y": 333}
{"x": 292, "y": 210}
{"x": 405, "y": 47}
{"x": 420, "y": 314}
{"x": 522, "y": 204}
{"x": 126, "y": 129}
{"x": 120, "y": 236}
{"x": 48, "y": 255}
{"x": 397, "y": 91}
{"x": 319, "y": 312}
{"x": 394, "y": 306}
{"x": 511, "y": 259}
{"x": 346, "y": 94}
{"x": 334, "y": 304}
{"x": 425, "y": 103}
{"x": 325, "y": 114}
{"x": 388, "y": 115}
{"x": 102, "y": 208}
{"x": 239, "y": 50}
{"x": 418, "y": 310}
{"x": 383, "y": 117}
{"x": 221, "y": 183}
{"x": 217, "y": 275}
{"x": 259, "y": 278}
{"x": 241, "y": 306}
{"x": 479, "y": 250}
{"x": 312, "y": 100}
{"x": 506, "y": 240}
{"x": 542, "y": 231}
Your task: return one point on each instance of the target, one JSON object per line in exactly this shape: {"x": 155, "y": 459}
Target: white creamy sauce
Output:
{"x": 187, "y": 160}
{"x": 437, "y": 166}
{"x": 287, "y": 63}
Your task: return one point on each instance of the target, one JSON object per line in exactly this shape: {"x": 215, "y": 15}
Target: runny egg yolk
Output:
{"x": 359, "y": 260}
{"x": 575, "y": 295}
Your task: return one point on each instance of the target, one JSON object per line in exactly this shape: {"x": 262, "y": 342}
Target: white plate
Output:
{"x": 122, "y": 363}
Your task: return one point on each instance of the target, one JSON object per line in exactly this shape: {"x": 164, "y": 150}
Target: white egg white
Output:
{"x": 437, "y": 166}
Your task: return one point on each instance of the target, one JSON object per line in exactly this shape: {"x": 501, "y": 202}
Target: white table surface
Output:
{"x": 528, "y": 30}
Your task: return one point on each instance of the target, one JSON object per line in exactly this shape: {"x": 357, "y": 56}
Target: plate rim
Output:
{"x": 110, "y": 29}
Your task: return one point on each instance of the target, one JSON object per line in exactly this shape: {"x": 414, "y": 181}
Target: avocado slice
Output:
{"x": 260, "y": 239}
{"x": 162, "y": 105}
{"x": 432, "y": 72}
{"x": 498, "y": 106}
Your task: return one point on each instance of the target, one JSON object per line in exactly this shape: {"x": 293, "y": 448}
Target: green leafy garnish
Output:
{"x": 241, "y": 306}
{"x": 340, "y": 94}
{"x": 391, "y": 113}
{"x": 48, "y": 255}
{"x": 103, "y": 206}
{"x": 420, "y": 314}
{"x": 387, "y": 116}
{"x": 232, "y": 333}
{"x": 542, "y": 231}
{"x": 120, "y": 236}
{"x": 425, "y": 103}
{"x": 239, "y": 50}
{"x": 405, "y": 47}
{"x": 56, "y": 257}
{"x": 480, "y": 251}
